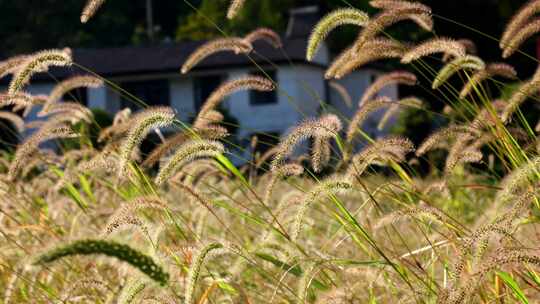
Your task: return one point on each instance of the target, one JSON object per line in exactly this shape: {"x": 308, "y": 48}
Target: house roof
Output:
{"x": 302, "y": 21}
{"x": 170, "y": 57}
{"x": 167, "y": 58}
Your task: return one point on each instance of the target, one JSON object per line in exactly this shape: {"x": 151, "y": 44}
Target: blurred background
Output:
{"x": 29, "y": 25}
{"x": 131, "y": 42}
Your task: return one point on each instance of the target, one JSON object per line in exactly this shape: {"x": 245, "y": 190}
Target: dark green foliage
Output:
{"x": 102, "y": 119}
{"x": 415, "y": 124}
{"x": 254, "y": 14}
{"x": 55, "y": 23}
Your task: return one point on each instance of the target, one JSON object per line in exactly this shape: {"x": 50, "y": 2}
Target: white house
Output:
{"x": 152, "y": 73}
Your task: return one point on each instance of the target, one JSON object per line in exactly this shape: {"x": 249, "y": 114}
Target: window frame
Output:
{"x": 198, "y": 98}
{"x": 148, "y": 87}
{"x": 271, "y": 96}
{"x": 79, "y": 95}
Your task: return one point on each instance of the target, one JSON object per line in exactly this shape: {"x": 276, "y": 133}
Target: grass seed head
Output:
{"x": 237, "y": 45}
{"x": 331, "y": 21}
{"x": 109, "y": 248}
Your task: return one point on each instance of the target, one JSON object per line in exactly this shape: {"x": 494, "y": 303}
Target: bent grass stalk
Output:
{"x": 35, "y": 63}
{"x": 195, "y": 270}
{"x": 109, "y": 248}
{"x": 142, "y": 124}
{"x": 237, "y": 45}
{"x": 329, "y": 23}
{"x": 188, "y": 152}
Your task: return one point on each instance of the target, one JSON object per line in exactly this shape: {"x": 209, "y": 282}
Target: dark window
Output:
{"x": 263, "y": 98}
{"x": 372, "y": 79}
{"x": 151, "y": 92}
{"x": 79, "y": 95}
{"x": 203, "y": 86}
{"x": 265, "y": 141}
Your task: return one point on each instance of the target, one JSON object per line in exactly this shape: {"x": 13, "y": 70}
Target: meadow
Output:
{"x": 95, "y": 220}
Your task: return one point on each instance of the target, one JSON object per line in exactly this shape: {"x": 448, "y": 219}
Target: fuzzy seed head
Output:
{"x": 519, "y": 21}
{"x": 513, "y": 183}
{"x": 411, "y": 102}
{"x": 73, "y": 110}
{"x": 21, "y": 100}
{"x": 470, "y": 48}
{"x": 127, "y": 220}
{"x": 14, "y": 119}
{"x": 188, "y": 152}
{"x": 265, "y": 34}
{"x": 363, "y": 112}
{"x": 425, "y": 21}
{"x": 384, "y": 20}
{"x": 90, "y": 9}
{"x": 141, "y": 124}
{"x": 521, "y": 94}
{"x": 491, "y": 70}
{"x": 373, "y": 50}
{"x": 121, "y": 116}
{"x": 209, "y": 132}
{"x": 330, "y": 22}
{"x": 520, "y": 37}
{"x": 432, "y": 46}
{"x": 456, "y": 158}
{"x": 397, "y": 77}
{"x": 195, "y": 270}
{"x": 325, "y": 127}
{"x": 290, "y": 170}
{"x": 230, "y": 87}
{"x": 380, "y": 152}
{"x": 238, "y": 45}
{"x": 112, "y": 249}
{"x": 38, "y": 62}
{"x": 71, "y": 84}
{"x": 399, "y": 4}
{"x": 131, "y": 290}
{"x": 327, "y": 187}
{"x": 442, "y": 135}
{"x": 421, "y": 212}
{"x": 321, "y": 154}
{"x": 11, "y": 65}
{"x": 31, "y": 144}
{"x": 461, "y": 63}
{"x": 234, "y": 8}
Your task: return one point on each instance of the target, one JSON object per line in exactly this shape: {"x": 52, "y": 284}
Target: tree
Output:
{"x": 204, "y": 23}
{"x": 28, "y": 26}
{"x": 209, "y": 21}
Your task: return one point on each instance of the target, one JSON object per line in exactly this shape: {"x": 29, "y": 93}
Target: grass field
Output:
{"x": 451, "y": 220}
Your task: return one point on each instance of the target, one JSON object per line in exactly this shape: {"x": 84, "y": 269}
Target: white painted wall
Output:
{"x": 104, "y": 98}
{"x": 307, "y": 92}
{"x": 264, "y": 118}
{"x": 182, "y": 97}
{"x": 310, "y": 89}
{"x": 356, "y": 83}
{"x": 97, "y": 98}
{"x": 301, "y": 92}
